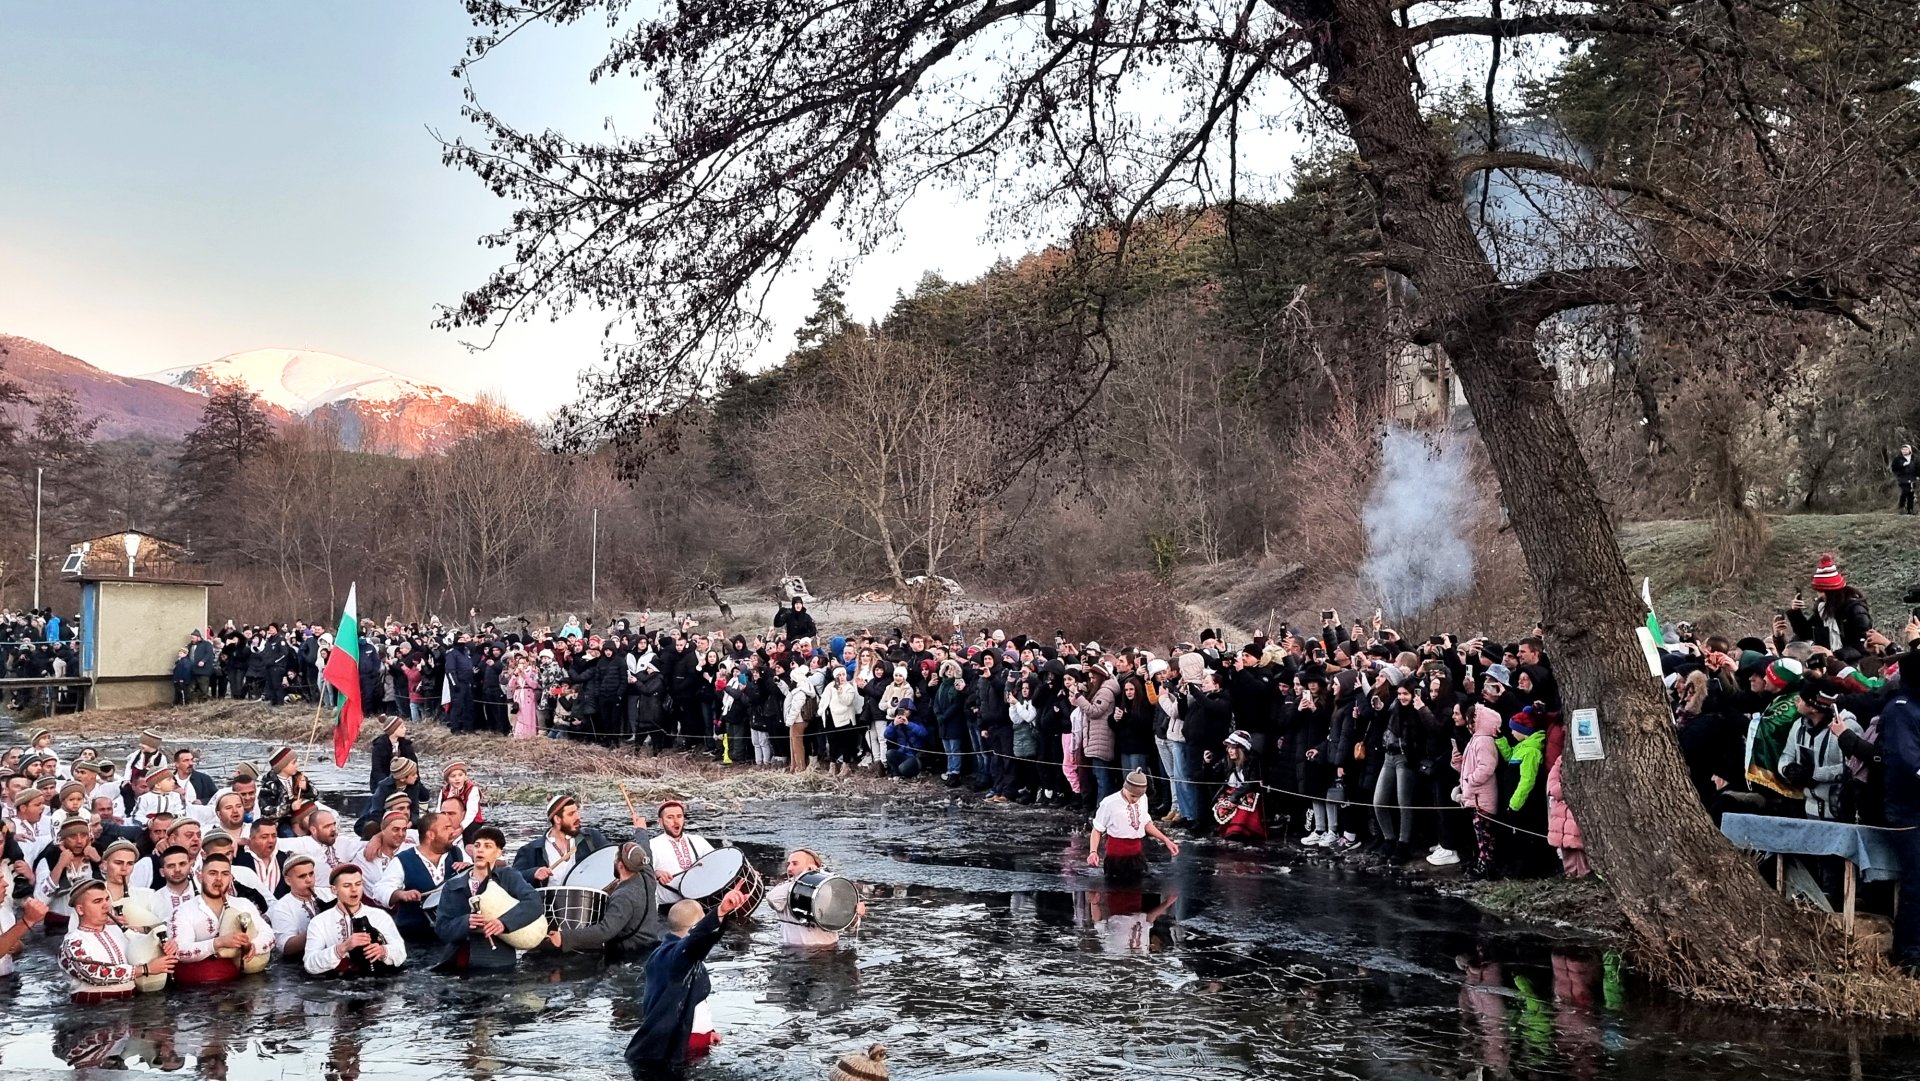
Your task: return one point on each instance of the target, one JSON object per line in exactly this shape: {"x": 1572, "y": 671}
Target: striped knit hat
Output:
{"x": 1827, "y": 575}
{"x": 1784, "y": 674}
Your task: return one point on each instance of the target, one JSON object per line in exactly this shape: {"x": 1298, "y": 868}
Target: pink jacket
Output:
{"x": 1562, "y": 830}
{"x": 1479, "y": 785}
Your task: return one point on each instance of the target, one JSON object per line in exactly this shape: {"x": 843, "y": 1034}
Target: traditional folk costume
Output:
{"x": 146, "y": 758}
{"x": 344, "y": 849}
{"x": 290, "y": 915}
{"x": 55, "y": 891}
{"x": 795, "y": 931}
{"x": 412, "y": 870}
{"x": 153, "y": 803}
{"x": 195, "y": 927}
{"x": 97, "y": 965}
{"x": 336, "y": 925}
{"x": 675, "y": 854}
{"x": 1124, "y": 822}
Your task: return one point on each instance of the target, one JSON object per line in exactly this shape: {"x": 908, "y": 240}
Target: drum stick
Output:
{"x": 631, "y": 812}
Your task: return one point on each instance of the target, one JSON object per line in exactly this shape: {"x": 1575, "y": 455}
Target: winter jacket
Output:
{"x": 1097, "y": 714}
{"x": 891, "y": 695}
{"x": 1480, "y": 764}
{"x": 990, "y": 700}
{"x": 1208, "y": 722}
{"x": 950, "y": 708}
{"x": 1562, "y": 830}
{"x": 1900, "y": 751}
{"x": 840, "y": 704}
{"x": 1133, "y": 725}
{"x": 908, "y": 735}
{"x": 1818, "y": 623}
{"x": 1526, "y": 757}
{"x": 1026, "y": 732}
{"x": 1819, "y": 750}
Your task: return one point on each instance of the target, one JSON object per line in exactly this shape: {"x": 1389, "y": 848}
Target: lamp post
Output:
{"x": 38, "y": 473}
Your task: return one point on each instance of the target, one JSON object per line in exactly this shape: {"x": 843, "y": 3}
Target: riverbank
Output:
{"x": 515, "y": 771}
{"x": 522, "y": 773}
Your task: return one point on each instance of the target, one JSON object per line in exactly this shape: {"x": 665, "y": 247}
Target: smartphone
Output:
{"x": 1326, "y": 613}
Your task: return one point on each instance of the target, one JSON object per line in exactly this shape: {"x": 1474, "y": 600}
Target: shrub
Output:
{"x": 1129, "y": 609}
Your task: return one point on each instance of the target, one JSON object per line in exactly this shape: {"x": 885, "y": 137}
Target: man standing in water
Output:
{"x": 1122, "y": 821}
{"x": 676, "y": 984}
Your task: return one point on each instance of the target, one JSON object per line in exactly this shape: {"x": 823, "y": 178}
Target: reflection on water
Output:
{"x": 991, "y": 945}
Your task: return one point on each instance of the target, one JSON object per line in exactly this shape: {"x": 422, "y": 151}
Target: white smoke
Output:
{"x": 1417, "y": 519}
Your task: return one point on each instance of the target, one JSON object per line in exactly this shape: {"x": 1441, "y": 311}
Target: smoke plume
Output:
{"x": 1417, "y": 519}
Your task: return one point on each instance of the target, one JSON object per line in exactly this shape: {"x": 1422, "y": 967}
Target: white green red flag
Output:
{"x": 343, "y": 675}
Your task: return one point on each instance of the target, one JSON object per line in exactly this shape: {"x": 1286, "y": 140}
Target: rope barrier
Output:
{"x": 1262, "y": 785}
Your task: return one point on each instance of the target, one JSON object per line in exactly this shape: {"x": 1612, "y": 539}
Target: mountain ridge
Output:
{"x": 375, "y": 408}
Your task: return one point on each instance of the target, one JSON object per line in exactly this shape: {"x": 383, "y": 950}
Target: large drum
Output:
{"x": 570, "y": 908}
{"x": 825, "y": 900}
{"x": 715, "y": 874}
{"x": 595, "y": 872}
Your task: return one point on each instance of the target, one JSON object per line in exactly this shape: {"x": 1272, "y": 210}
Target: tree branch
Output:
{"x": 1467, "y": 165}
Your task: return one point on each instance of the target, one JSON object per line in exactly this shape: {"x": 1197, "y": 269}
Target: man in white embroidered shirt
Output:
{"x": 674, "y": 849}
{"x": 296, "y": 908}
{"x": 216, "y": 924}
{"x": 352, "y": 939}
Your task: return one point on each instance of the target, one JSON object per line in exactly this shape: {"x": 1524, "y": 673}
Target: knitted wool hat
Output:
{"x": 870, "y": 1066}
{"x": 1193, "y": 668}
{"x": 393, "y": 725}
{"x": 1827, "y": 575}
{"x": 280, "y": 757}
{"x": 1784, "y": 674}
{"x": 557, "y": 803}
{"x": 150, "y": 740}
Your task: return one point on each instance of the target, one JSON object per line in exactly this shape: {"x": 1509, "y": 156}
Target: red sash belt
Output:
{"x": 209, "y": 970}
{"x": 87, "y": 998}
{"x": 1124, "y": 846}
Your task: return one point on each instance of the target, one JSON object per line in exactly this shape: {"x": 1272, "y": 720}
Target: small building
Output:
{"x": 140, "y": 596}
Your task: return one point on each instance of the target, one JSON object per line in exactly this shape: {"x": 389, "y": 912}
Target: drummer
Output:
{"x": 795, "y": 931}
{"x": 674, "y": 849}
{"x": 545, "y": 860}
{"x": 629, "y": 926}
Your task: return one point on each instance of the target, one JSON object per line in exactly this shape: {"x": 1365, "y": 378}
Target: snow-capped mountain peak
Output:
{"x": 300, "y": 380}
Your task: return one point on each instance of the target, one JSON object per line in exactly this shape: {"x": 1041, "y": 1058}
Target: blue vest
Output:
{"x": 412, "y": 920}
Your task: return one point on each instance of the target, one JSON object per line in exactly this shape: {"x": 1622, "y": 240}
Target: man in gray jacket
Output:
{"x": 629, "y": 925}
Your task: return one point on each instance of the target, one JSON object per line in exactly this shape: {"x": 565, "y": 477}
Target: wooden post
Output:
{"x": 1846, "y": 907}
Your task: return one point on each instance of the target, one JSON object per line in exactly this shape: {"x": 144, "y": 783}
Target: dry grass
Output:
{"x": 529, "y": 766}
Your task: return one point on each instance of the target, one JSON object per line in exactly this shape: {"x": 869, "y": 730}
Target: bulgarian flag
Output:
{"x": 1646, "y": 594}
{"x": 343, "y": 674}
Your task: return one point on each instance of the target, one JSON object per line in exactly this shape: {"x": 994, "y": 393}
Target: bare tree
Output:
{"x": 777, "y": 118}
{"x": 490, "y": 501}
{"x": 883, "y": 453}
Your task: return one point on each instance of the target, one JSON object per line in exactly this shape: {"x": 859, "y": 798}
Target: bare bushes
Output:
{"x": 1127, "y": 609}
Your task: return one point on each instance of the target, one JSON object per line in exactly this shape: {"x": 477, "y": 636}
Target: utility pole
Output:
{"x": 38, "y": 472}
{"x": 593, "y": 572}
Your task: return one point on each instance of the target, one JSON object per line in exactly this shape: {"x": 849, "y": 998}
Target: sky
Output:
{"x": 183, "y": 181}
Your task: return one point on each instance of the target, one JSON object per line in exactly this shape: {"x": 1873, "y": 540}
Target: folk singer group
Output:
{"x": 157, "y": 877}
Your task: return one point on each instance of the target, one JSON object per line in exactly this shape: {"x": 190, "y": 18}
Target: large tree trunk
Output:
{"x": 1702, "y": 918}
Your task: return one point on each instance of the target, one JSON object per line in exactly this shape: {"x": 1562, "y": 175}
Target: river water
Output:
{"x": 990, "y": 945}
